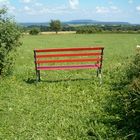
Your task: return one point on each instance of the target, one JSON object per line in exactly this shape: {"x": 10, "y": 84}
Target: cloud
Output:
{"x": 9, "y": 6}
{"x": 26, "y": 8}
{"x": 106, "y": 10}
{"x": 110, "y": 2}
{"x": 114, "y": 9}
{"x": 101, "y": 10}
{"x": 26, "y": 1}
{"x": 138, "y": 8}
{"x": 130, "y": 1}
{"x": 4, "y": 2}
{"x": 74, "y": 4}
{"x": 29, "y": 10}
{"x": 12, "y": 9}
{"x": 36, "y": 8}
{"x": 38, "y": 4}
{"x": 40, "y": 9}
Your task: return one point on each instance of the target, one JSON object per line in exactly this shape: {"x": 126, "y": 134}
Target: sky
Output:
{"x": 66, "y": 10}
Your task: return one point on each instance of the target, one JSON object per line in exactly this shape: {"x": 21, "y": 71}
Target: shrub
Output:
{"x": 9, "y": 41}
{"x": 133, "y": 110}
{"x": 34, "y": 31}
{"x": 131, "y": 98}
{"x": 126, "y": 101}
{"x": 87, "y": 30}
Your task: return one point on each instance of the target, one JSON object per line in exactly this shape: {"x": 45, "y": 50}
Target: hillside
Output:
{"x": 84, "y": 21}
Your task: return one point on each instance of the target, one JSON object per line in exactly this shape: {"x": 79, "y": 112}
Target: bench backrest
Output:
{"x": 67, "y": 55}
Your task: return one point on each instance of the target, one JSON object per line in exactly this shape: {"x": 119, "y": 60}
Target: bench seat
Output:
{"x": 90, "y": 66}
{"x": 78, "y": 58}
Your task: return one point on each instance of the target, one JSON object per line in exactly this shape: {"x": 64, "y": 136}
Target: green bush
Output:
{"x": 88, "y": 30}
{"x": 34, "y": 31}
{"x": 9, "y": 41}
{"x": 131, "y": 98}
{"x": 125, "y": 99}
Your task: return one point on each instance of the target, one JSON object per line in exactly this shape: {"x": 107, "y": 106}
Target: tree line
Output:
{"x": 56, "y": 25}
{"x": 108, "y": 29}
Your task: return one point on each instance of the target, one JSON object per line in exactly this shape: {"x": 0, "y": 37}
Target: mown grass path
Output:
{"x": 66, "y": 105}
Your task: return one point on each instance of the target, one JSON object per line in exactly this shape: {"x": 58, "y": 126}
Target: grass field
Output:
{"x": 66, "y": 105}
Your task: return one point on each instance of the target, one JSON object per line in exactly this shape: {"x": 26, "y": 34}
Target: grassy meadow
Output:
{"x": 65, "y": 105}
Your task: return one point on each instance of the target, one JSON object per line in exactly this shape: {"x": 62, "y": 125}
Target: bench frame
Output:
{"x": 97, "y": 65}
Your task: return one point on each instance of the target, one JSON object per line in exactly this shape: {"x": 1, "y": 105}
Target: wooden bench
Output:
{"x": 89, "y": 58}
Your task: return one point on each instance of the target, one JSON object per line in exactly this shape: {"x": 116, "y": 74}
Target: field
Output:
{"x": 66, "y": 105}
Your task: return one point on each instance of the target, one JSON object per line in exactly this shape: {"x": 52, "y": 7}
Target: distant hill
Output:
{"x": 34, "y": 23}
{"x": 82, "y": 21}
{"x": 96, "y": 22}
{"x": 79, "y": 22}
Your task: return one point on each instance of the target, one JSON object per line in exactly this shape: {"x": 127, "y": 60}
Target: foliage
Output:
{"x": 9, "y": 41}
{"x": 108, "y": 29}
{"x": 133, "y": 95}
{"x": 46, "y": 28}
{"x": 126, "y": 98}
{"x": 55, "y": 25}
{"x": 34, "y": 31}
{"x": 88, "y": 30}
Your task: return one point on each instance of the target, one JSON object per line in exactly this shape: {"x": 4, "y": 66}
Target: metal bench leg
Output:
{"x": 38, "y": 76}
{"x": 99, "y": 74}
{"x": 100, "y": 77}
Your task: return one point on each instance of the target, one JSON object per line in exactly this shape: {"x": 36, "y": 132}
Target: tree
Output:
{"x": 55, "y": 25}
{"x": 9, "y": 40}
{"x": 34, "y": 31}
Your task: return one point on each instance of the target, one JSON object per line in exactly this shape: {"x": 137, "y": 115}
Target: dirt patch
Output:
{"x": 61, "y": 32}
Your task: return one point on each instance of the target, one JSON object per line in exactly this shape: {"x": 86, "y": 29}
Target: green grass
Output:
{"x": 66, "y": 105}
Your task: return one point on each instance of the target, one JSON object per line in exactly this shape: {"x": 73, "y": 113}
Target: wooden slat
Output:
{"x": 71, "y": 67}
{"x": 68, "y": 49}
{"x": 68, "y": 60}
{"x": 63, "y": 55}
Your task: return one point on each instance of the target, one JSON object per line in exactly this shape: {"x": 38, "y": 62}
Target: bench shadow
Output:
{"x": 29, "y": 81}
{"x": 33, "y": 81}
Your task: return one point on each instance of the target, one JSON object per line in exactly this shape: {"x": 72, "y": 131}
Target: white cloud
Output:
{"x": 74, "y": 4}
{"x": 36, "y": 8}
{"x": 26, "y": 8}
{"x": 8, "y": 5}
{"x": 26, "y": 1}
{"x": 110, "y": 2}
{"x": 138, "y": 8}
{"x": 102, "y": 10}
{"x": 4, "y": 2}
{"x": 38, "y": 4}
{"x": 106, "y": 10}
{"x": 29, "y": 10}
{"x": 130, "y": 1}
{"x": 114, "y": 9}
{"x": 40, "y": 9}
{"x": 12, "y": 10}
